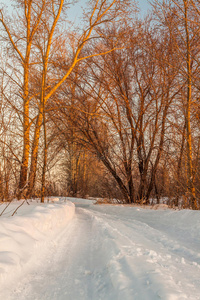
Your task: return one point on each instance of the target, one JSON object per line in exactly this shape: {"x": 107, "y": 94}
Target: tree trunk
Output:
{"x": 26, "y": 133}
{"x": 176, "y": 203}
{"x": 34, "y": 154}
{"x": 45, "y": 159}
{"x": 190, "y": 175}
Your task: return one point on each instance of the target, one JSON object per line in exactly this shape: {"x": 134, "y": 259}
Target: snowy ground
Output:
{"x": 102, "y": 252}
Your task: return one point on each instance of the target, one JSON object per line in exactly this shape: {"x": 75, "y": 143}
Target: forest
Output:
{"x": 105, "y": 108}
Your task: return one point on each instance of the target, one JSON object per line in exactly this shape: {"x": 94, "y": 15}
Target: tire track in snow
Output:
{"x": 160, "y": 237}
{"x": 73, "y": 268}
{"x": 150, "y": 259}
{"x": 101, "y": 256}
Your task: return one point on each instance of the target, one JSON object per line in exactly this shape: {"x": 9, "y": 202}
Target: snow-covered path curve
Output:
{"x": 112, "y": 253}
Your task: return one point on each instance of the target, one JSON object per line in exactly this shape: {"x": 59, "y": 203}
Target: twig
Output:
{"x": 18, "y": 207}
{"x": 5, "y": 208}
{"x": 27, "y": 201}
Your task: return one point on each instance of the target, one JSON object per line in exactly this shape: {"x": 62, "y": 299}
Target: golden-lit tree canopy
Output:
{"x": 108, "y": 108}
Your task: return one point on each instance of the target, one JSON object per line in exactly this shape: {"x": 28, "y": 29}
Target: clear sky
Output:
{"x": 76, "y": 11}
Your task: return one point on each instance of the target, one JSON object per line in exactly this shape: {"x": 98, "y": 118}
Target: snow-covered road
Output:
{"x": 116, "y": 252}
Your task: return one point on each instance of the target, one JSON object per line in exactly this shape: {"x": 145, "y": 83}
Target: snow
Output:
{"x": 106, "y": 252}
{"x": 24, "y": 236}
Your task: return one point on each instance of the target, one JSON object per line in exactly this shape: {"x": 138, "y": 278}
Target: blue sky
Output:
{"x": 76, "y": 11}
{"x": 143, "y": 4}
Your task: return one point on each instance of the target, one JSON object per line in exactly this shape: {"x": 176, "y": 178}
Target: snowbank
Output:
{"x": 26, "y": 235}
{"x": 106, "y": 252}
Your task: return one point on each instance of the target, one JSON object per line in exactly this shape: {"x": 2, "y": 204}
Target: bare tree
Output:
{"x": 180, "y": 17}
{"x": 28, "y": 20}
{"x": 122, "y": 107}
{"x": 37, "y": 17}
